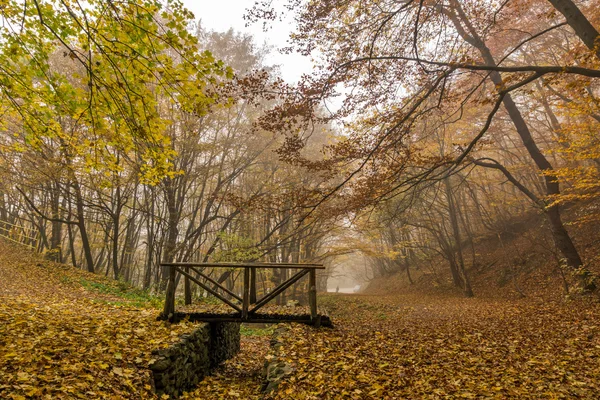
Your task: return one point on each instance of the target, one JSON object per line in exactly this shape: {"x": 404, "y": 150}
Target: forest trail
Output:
{"x": 68, "y": 334}
{"x": 415, "y": 346}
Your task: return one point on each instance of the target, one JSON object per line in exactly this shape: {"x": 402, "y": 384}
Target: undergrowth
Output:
{"x": 121, "y": 290}
{"x": 253, "y": 330}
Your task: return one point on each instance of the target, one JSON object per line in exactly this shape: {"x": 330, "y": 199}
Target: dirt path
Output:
{"x": 423, "y": 347}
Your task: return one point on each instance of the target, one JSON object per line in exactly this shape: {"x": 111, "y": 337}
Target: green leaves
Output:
{"x": 92, "y": 82}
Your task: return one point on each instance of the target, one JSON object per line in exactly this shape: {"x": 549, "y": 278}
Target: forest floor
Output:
{"x": 68, "y": 334}
{"x": 414, "y": 346}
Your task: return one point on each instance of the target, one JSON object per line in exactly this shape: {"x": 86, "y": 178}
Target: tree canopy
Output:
{"x": 92, "y": 80}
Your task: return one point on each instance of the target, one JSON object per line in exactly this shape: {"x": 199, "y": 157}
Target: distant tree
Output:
{"x": 403, "y": 64}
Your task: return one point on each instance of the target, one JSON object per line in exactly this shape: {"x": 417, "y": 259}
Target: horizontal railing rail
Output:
{"x": 240, "y": 304}
{"x": 245, "y": 265}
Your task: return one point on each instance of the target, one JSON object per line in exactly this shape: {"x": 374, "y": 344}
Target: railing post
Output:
{"x": 253, "y": 286}
{"x": 312, "y": 297}
{"x": 246, "y": 298}
{"x": 187, "y": 289}
{"x": 169, "y": 309}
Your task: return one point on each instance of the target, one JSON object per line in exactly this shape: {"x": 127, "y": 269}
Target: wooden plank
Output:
{"x": 253, "y": 286}
{"x": 245, "y": 265}
{"x": 208, "y": 289}
{"x": 278, "y": 290}
{"x": 246, "y": 300}
{"x": 264, "y": 319}
{"x": 217, "y": 284}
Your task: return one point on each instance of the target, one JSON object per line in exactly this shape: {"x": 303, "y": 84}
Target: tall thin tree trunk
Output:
{"x": 150, "y": 244}
{"x": 56, "y": 234}
{"x": 560, "y": 235}
{"x": 452, "y": 210}
{"x": 172, "y": 231}
{"x": 85, "y": 240}
{"x": 580, "y": 24}
{"x": 72, "y": 246}
{"x": 116, "y": 216}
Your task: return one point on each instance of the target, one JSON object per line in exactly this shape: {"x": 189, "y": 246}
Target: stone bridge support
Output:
{"x": 183, "y": 365}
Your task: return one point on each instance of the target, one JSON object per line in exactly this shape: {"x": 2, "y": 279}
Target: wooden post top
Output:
{"x": 246, "y": 265}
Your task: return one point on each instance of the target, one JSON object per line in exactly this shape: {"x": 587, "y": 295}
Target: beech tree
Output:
{"x": 402, "y": 62}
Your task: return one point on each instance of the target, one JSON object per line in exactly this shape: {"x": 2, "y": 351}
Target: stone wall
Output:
{"x": 276, "y": 368}
{"x": 183, "y": 365}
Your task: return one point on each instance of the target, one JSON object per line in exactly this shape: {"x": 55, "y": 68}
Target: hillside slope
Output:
{"x": 520, "y": 260}
{"x": 65, "y": 333}
{"x": 68, "y": 334}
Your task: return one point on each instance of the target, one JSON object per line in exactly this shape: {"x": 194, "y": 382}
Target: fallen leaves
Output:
{"x": 59, "y": 341}
{"x": 418, "y": 347}
{"x": 238, "y": 378}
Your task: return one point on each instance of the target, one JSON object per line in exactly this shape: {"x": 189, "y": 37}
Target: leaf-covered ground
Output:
{"x": 415, "y": 347}
{"x": 67, "y": 334}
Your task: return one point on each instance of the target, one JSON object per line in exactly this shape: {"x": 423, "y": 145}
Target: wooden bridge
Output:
{"x": 245, "y": 307}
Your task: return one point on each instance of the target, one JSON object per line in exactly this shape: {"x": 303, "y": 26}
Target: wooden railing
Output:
{"x": 195, "y": 273}
{"x": 20, "y": 234}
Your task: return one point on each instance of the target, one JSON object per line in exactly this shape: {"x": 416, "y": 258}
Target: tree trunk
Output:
{"x": 72, "y": 246}
{"x": 115, "y": 247}
{"x": 150, "y": 243}
{"x": 116, "y": 217}
{"x": 466, "y": 284}
{"x": 560, "y": 235}
{"x": 580, "y": 24}
{"x": 3, "y": 215}
{"x": 85, "y": 240}
{"x": 172, "y": 232}
{"x": 187, "y": 291}
{"x": 56, "y": 234}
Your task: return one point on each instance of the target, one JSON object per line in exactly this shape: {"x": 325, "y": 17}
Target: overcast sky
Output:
{"x": 220, "y": 15}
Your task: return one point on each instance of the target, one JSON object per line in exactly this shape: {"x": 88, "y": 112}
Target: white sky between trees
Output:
{"x": 220, "y": 15}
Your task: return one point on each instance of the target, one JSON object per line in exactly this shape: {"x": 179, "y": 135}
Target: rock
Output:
{"x": 275, "y": 368}
{"x": 160, "y": 365}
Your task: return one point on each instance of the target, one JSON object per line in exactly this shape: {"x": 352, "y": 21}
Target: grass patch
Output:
{"x": 253, "y": 330}
{"x": 67, "y": 280}
{"x": 200, "y": 300}
{"x": 131, "y": 296}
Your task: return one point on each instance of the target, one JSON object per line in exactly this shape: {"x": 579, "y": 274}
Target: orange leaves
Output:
{"x": 394, "y": 347}
{"x": 418, "y": 347}
{"x": 60, "y": 341}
